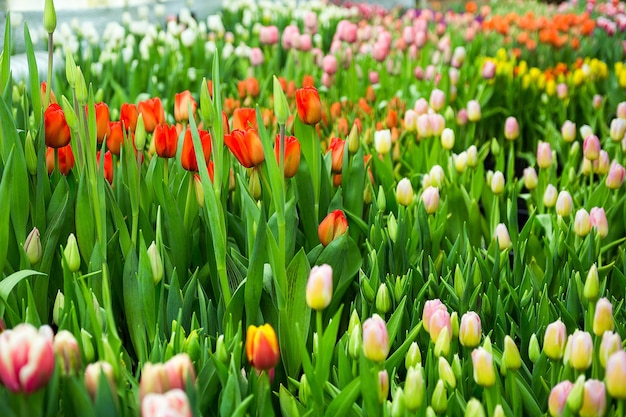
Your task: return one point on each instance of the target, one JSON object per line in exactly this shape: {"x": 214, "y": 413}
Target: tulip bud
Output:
{"x": 598, "y": 220}
{"x": 382, "y": 141}
{"x": 49, "y": 17}
{"x": 442, "y": 344}
{"x": 281, "y": 107}
{"x": 484, "y": 372}
{"x": 564, "y": 204}
{"x": 155, "y": 263}
{"x": 558, "y": 398}
{"x": 447, "y": 139}
{"x": 397, "y": 404}
{"x": 304, "y": 390}
{"x": 472, "y": 156}
{"x": 71, "y": 254}
{"x": 498, "y": 411}
{"x": 473, "y": 111}
{"x": 414, "y": 388}
{"x": 375, "y": 339}
{"x": 568, "y": 131}
{"x": 383, "y": 386}
{"x": 355, "y": 342}
{"x": 460, "y": 162}
{"x": 221, "y": 353}
{"x": 262, "y": 347}
{"x": 603, "y": 317}
{"x": 404, "y": 192}
{"x": 446, "y": 373}
{"x": 533, "y": 348}
{"x": 430, "y": 199}
{"x": 582, "y": 223}
{"x": 550, "y": 196}
{"x": 512, "y": 359}
{"x": 87, "y": 344}
{"x": 591, "y": 289}
{"x": 381, "y": 200}
{"x": 615, "y": 178}
{"x": 383, "y": 299}
{"x": 140, "y": 133}
{"x": 206, "y": 104}
{"x": 67, "y": 350}
{"x": 413, "y": 356}
{"x": 32, "y": 246}
{"x": 59, "y": 303}
{"x": 333, "y": 226}
{"x": 437, "y": 176}
{"x": 530, "y": 178}
{"x": 502, "y": 236}
{"x": 31, "y": 155}
{"x": 618, "y": 129}
{"x": 474, "y": 408}
{"x": 576, "y": 395}
{"x": 470, "y": 330}
{"x": 579, "y": 350}
{"x": 92, "y": 377}
{"x": 82, "y": 95}
{"x": 611, "y": 343}
{"x": 554, "y": 340}
{"x": 594, "y": 399}
{"x": 591, "y": 147}
{"x": 454, "y": 323}
{"x": 616, "y": 375}
{"x": 497, "y": 183}
{"x": 254, "y": 184}
{"x": 319, "y": 288}
{"x": 439, "y": 400}
{"x": 544, "y": 155}
{"x": 511, "y": 128}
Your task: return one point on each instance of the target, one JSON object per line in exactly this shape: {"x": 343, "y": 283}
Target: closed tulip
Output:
{"x": 603, "y": 317}
{"x": 108, "y": 165}
{"x": 511, "y": 128}
{"x": 319, "y": 287}
{"x": 67, "y": 350}
{"x": 262, "y": 347}
{"x": 473, "y": 111}
{"x": 470, "y": 330}
{"x": 153, "y": 114}
{"x": 188, "y": 155}
{"x": 558, "y": 398}
{"x": 172, "y": 403}
{"x": 128, "y": 116}
{"x": 334, "y": 225}
{"x": 616, "y": 375}
{"x": 550, "y": 196}
{"x": 246, "y": 146}
{"x": 564, "y": 204}
{"x": 582, "y": 223}
{"x": 375, "y": 339}
{"x": 181, "y": 106}
{"x": 579, "y": 350}
{"x": 615, "y": 177}
{"x": 309, "y": 105}
{"x": 430, "y": 199}
{"x": 598, "y": 220}
{"x": 568, "y": 131}
{"x": 429, "y": 309}
{"x": 594, "y": 399}
{"x": 103, "y": 120}
{"x": 530, "y": 178}
{"x": 66, "y": 159}
{"x": 115, "y": 138}
{"x": 484, "y": 372}
{"x": 501, "y": 234}
{"x": 336, "y": 149}
{"x": 591, "y": 147}
{"x": 92, "y": 377}
{"x": 165, "y": 139}
{"x": 404, "y": 192}
{"x": 554, "y": 340}
{"x": 57, "y": 131}
{"x": 382, "y": 141}
{"x": 544, "y": 155}
{"x": 292, "y": 155}
{"x": 438, "y": 321}
{"x": 611, "y": 343}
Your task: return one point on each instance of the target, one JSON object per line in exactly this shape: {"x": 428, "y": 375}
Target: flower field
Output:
{"x": 317, "y": 209}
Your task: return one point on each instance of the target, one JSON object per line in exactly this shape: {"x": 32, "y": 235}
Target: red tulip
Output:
{"x": 246, "y": 146}
{"x": 165, "y": 140}
{"x": 115, "y": 137}
{"x": 188, "y": 156}
{"x": 292, "y": 155}
{"x": 181, "y": 106}
{"x": 153, "y": 114}
{"x": 309, "y": 105}
{"x": 336, "y": 147}
{"x": 66, "y": 159}
{"x": 333, "y": 226}
{"x": 103, "y": 120}
{"x": 108, "y": 165}
{"x": 262, "y": 347}
{"x": 245, "y": 118}
{"x": 57, "y": 132}
{"x": 128, "y": 116}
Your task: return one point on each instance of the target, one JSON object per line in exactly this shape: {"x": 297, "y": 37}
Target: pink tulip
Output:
{"x": 375, "y": 339}
{"x": 268, "y": 35}
{"x": 256, "y": 57}
{"x": 172, "y": 403}
{"x": 329, "y": 64}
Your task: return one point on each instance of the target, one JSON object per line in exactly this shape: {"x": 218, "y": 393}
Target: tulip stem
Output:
{"x": 190, "y": 191}
{"x": 320, "y": 329}
{"x": 50, "y": 60}
{"x": 166, "y": 167}
{"x": 56, "y": 159}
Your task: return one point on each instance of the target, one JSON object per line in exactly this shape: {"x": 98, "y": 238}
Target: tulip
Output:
{"x": 152, "y": 112}
{"x": 156, "y": 264}
{"x": 66, "y": 349}
{"x": 615, "y": 177}
{"x": 511, "y": 128}
{"x": 558, "y": 398}
{"x": 582, "y": 223}
{"x": 618, "y": 129}
{"x": 489, "y": 69}
{"x": 439, "y": 400}
{"x": 262, "y": 347}
{"x": 470, "y": 330}
{"x": 309, "y": 105}
{"x": 511, "y": 356}
{"x": 383, "y": 299}
{"x": 550, "y": 196}
{"x": 108, "y": 165}
{"x": 447, "y": 138}
{"x": 398, "y": 408}
{"x": 333, "y": 226}
{"x": 383, "y": 386}
{"x": 594, "y": 399}
{"x": 591, "y": 147}
{"x": 442, "y": 344}
{"x": 26, "y": 358}
{"x": 430, "y": 199}
{"x": 484, "y": 372}
{"x": 404, "y": 192}
{"x": 165, "y": 139}
{"x": 554, "y": 340}
{"x": 188, "y": 155}
{"x": 171, "y": 403}
{"x": 597, "y": 219}
{"x": 579, "y": 350}
{"x": 616, "y": 375}
{"x": 568, "y": 131}
{"x": 268, "y": 35}
{"x": 439, "y": 320}
{"x": 591, "y": 289}
{"x": 375, "y": 339}
{"x": 602, "y": 164}
{"x": 530, "y": 178}
{"x": 611, "y": 343}
{"x": 292, "y": 155}
{"x": 128, "y": 116}
{"x": 446, "y": 373}
{"x": 414, "y": 388}
{"x": 181, "y": 106}
{"x": 603, "y": 317}
{"x": 92, "y": 377}
{"x": 460, "y": 161}
{"x": 437, "y": 99}
{"x": 382, "y": 141}
{"x": 501, "y": 234}
{"x": 244, "y": 119}
{"x": 544, "y": 155}
{"x": 336, "y": 149}
{"x": 71, "y": 253}
{"x": 103, "y": 121}
{"x": 473, "y": 111}
{"x": 430, "y": 307}
{"x": 57, "y": 131}
{"x": 474, "y": 408}
{"x": 319, "y": 287}
{"x": 437, "y": 176}
{"x": 32, "y": 246}
{"x": 533, "y": 348}
{"x": 497, "y": 183}
{"x": 564, "y": 204}
{"x": 115, "y": 137}
{"x": 179, "y": 370}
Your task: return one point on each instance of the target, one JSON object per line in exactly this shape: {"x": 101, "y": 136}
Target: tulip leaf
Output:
{"x": 133, "y": 306}
{"x": 76, "y": 401}
{"x": 346, "y": 400}
{"x": 8, "y": 283}
{"x": 33, "y": 75}
{"x": 146, "y": 285}
{"x": 369, "y": 387}
{"x": 254, "y": 280}
{"x": 85, "y": 226}
{"x": 5, "y": 199}
{"x": 5, "y": 70}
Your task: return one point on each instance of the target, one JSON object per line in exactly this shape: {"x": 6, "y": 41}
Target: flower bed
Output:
{"x": 332, "y": 210}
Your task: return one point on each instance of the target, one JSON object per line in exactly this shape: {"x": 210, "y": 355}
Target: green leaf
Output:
{"x": 7, "y": 284}
{"x": 85, "y": 226}
{"x": 5, "y": 199}
{"x": 5, "y": 70}
{"x": 346, "y": 400}
{"x": 33, "y": 76}
{"x": 133, "y": 306}
{"x": 254, "y": 280}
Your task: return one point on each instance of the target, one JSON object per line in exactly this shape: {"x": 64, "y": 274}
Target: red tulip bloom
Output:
{"x": 245, "y": 118}
{"x": 128, "y": 116}
{"x": 262, "y": 347}
{"x": 336, "y": 147}
{"x": 108, "y": 165}
{"x": 181, "y": 106}
{"x": 188, "y": 156}
{"x": 66, "y": 159}
{"x": 152, "y": 112}
{"x": 115, "y": 137}
{"x": 334, "y": 225}
{"x": 309, "y": 105}
{"x": 292, "y": 155}
{"x": 57, "y": 132}
{"x": 165, "y": 140}
{"x": 246, "y": 146}
{"x": 103, "y": 120}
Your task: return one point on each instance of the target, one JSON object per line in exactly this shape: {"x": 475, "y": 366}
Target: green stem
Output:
{"x": 56, "y": 159}
{"x": 166, "y": 168}
{"x": 188, "y": 203}
{"x": 319, "y": 324}
{"x": 50, "y": 61}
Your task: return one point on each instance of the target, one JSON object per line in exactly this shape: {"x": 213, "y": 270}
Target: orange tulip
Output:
{"x": 292, "y": 154}
{"x": 246, "y": 146}
{"x": 128, "y": 116}
{"x": 165, "y": 140}
{"x": 334, "y": 225}
{"x": 336, "y": 147}
{"x": 108, "y": 165}
{"x": 262, "y": 347}
{"x": 153, "y": 114}
{"x": 103, "y": 120}
{"x": 181, "y": 106}
{"x": 244, "y": 118}
{"x": 308, "y": 81}
{"x": 188, "y": 156}
{"x": 66, "y": 159}
{"x": 309, "y": 105}
{"x": 115, "y": 137}
{"x": 57, "y": 132}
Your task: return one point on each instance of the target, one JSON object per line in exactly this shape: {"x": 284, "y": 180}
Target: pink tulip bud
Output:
{"x": 172, "y": 403}
{"x": 430, "y": 199}
{"x": 484, "y": 372}
{"x": 383, "y": 386}
{"x": 256, "y": 57}
{"x": 568, "y": 131}
{"x": 621, "y": 110}
{"x": 594, "y": 399}
{"x": 470, "y": 330}
{"x": 598, "y": 220}
{"x": 561, "y": 91}
{"x": 511, "y": 128}
{"x": 596, "y": 101}
{"x": 489, "y": 70}
{"x": 558, "y": 398}
{"x": 329, "y": 64}
{"x": 611, "y": 343}
{"x": 375, "y": 339}
{"x": 616, "y": 375}
{"x": 602, "y": 164}
{"x": 461, "y": 117}
{"x": 473, "y": 111}
{"x": 438, "y": 321}
{"x": 319, "y": 287}
{"x": 67, "y": 350}
{"x": 591, "y": 147}
{"x": 26, "y": 358}
{"x": 421, "y": 106}
{"x": 579, "y": 350}
{"x": 437, "y": 99}
{"x": 429, "y": 309}
{"x": 603, "y": 317}
{"x": 554, "y": 340}
{"x": 544, "y": 155}
{"x": 615, "y": 177}
{"x": 179, "y": 369}
{"x": 582, "y": 223}
{"x": 92, "y": 377}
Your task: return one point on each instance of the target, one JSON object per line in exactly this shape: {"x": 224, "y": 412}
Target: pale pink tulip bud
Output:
{"x": 268, "y": 35}
{"x": 621, "y": 110}
{"x": 511, "y": 128}
{"x": 418, "y": 73}
{"x": 172, "y": 403}
{"x": 596, "y": 101}
{"x": 602, "y": 164}
{"x": 329, "y": 64}
{"x": 459, "y": 56}
{"x": 438, "y": 321}
{"x": 470, "y": 330}
{"x": 179, "y": 369}
{"x": 375, "y": 339}
{"x": 408, "y": 35}
{"x": 618, "y": 129}
{"x": 591, "y": 147}
{"x": 616, "y": 375}
{"x": 447, "y": 138}
{"x": 579, "y": 350}
{"x": 430, "y": 199}
{"x": 26, "y": 358}
{"x": 473, "y": 111}
{"x": 437, "y": 99}
{"x": 611, "y": 343}
{"x": 429, "y": 309}
{"x": 404, "y": 192}
{"x": 319, "y": 287}
{"x": 558, "y": 398}
{"x": 582, "y": 223}
{"x": 256, "y": 57}
{"x": 310, "y": 21}
{"x": 564, "y": 204}
{"x": 554, "y": 340}
{"x": 598, "y": 220}
{"x": 410, "y": 120}
{"x": 615, "y": 178}
{"x": 544, "y": 155}
{"x": 461, "y": 117}
{"x": 484, "y": 372}
{"x": 568, "y": 131}
{"x": 153, "y": 379}
{"x": 497, "y": 183}
{"x": 373, "y": 77}
{"x": 489, "y": 70}
{"x": 501, "y": 234}
{"x": 289, "y": 34}
{"x": 424, "y": 129}
{"x": 92, "y": 377}
{"x": 594, "y": 399}
{"x": 67, "y": 350}
{"x": 550, "y": 196}
{"x": 585, "y": 130}
{"x": 305, "y": 43}
{"x": 454, "y": 75}
{"x": 383, "y": 386}
{"x": 437, "y": 123}
{"x": 327, "y": 80}
{"x": 561, "y": 91}
{"x": 421, "y": 106}
{"x": 603, "y": 317}
{"x": 530, "y": 178}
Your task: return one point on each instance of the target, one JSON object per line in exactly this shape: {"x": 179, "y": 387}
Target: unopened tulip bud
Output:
{"x": 533, "y": 348}
{"x": 497, "y": 183}
{"x": 32, "y": 246}
{"x": 470, "y": 330}
{"x": 603, "y": 317}
{"x": 206, "y": 104}
{"x": 437, "y": 176}
{"x": 171, "y": 403}
{"x": 221, "y": 353}
{"x": 334, "y": 225}
{"x": 611, "y": 343}
{"x": 474, "y": 408}
{"x": 87, "y": 344}
{"x": 355, "y": 342}
{"x": 594, "y": 399}
{"x": 382, "y": 141}
{"x": 591, "y": 147}
{"x": 413, "y": 356}
{"x": 254, "y": 184}
{"x": 437, "y": 99}
{"x": 67, "y": 351}
{"x": 598, "y": 220}
{"x": 511, "y": 355}
{"x": 568, "y": 131}
{"x": 71, "y": 254}
{"x": 554, "y": 340}
{"x": 414, "y": 388}
{"x": 430, "y": 412}
{"x": 501, "y": 234}
{"x": 591, "y": 290}
{"x": 281, "y": 107}
{"x": 579, "y": 350}
{"x": 319, "y": 288}
{"x": 585, "y": 130}
{"x": 447, "y": 139}
{"x": 564, "y": 204}
{"x": 550, "y": 196}
{"x": 375, "y": 339}
{"x": 383, "y": 386}
{"x": 472, "y": 156}
{"x": 473, "y": 111}
{"x": 404, "y": 192}
{"x": 457, "y": 368}
{"x": 576, "y": 395}
{"x": 511, "y": 128}
{"x": 392, "y": 227}
{"x": 530, "y": 178}
{"x": 304, "y": 390}
{"x": 59, "y": 303}
{"x": 430, "y": 199}
{"x": 615, "y": 177}
{"x": 484, "y": 372}
{"x": 49, "y": 16}
{"x": 398, "y": 408}
{"x": 618, "y": 129}
{"x": 616, "y": 375}
{"x": 262, "y": 347}
{"x": 558, "y": 398}
{"x": 446, "y": 373}
{"x": 602, "y": 164}
{"x": 155, "y": 263}
{"x": 383, "y": 299}
{"x": 430, "y": 307}
{"x": 442, "y": 344}
{"x": 30, "y": 154}
{"x": 93, "y": 371}
{"x": 495, "y": 147}
{"x": 582, "y": 223}
{"x": 354, "y": 142}
{"x": 439, "y": 400}
{"x": 544, "y": 155}
{"x": 82, "y": 94}
{"x": 460, "y": 162}
{"x": 381, "y": 200}
{"x": 454, "y": 322}
{"x": 368, "y": 291}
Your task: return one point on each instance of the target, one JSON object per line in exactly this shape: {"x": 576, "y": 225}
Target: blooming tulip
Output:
{"x": 188, "y": 155}
{"x": 128, "y": 116}
{"x": 66, "y": 159}
{"x": 558, "y": 397}
{"x": 334, "y": 225}
{"x": 375, "y": 339}
{"x": 165, "y": 139}
{"x": 181, "y": 106}
{"x": 319, "y": 287}
{"x": 470, "y": 330}
{"x": 57, "y": 131}
{"x": 245, "y": 118}
{"x": 554, "y": 340}
{"x": 262, "y": 347}
{"x": 152, "y": 112}
{"x": 484, "y": 372}
{"x": 26, "y": 358}
{"x": 603, "y": 317}
{"x": 309, "y": 105}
